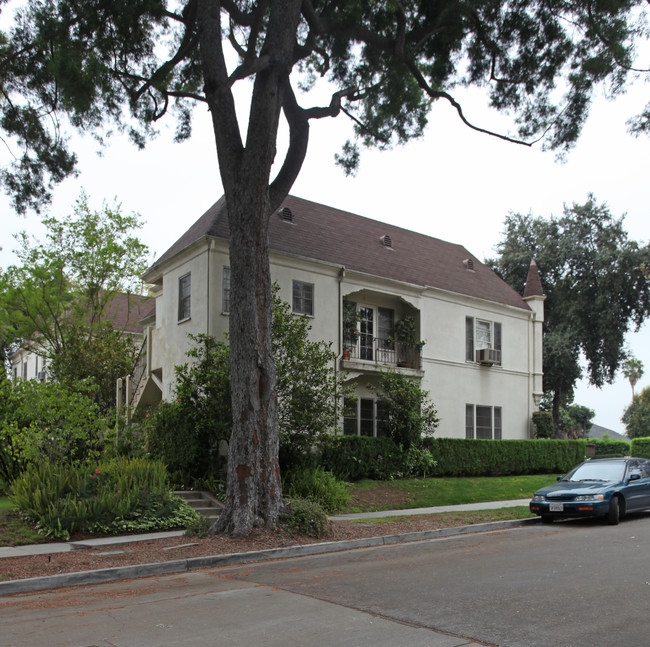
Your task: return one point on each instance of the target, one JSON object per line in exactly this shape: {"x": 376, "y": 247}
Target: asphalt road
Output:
{"x": 569, "y": 584}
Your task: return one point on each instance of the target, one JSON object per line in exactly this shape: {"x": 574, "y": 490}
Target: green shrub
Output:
{"x": 199, "y": 527}
{"x": 611, "y": 448}
{"x": 353, "y": 458}
{"x": 46, "y": 423}
{"x": 461, "y": 457}
{"x": 543, "y": 421}
{"x": 306, "y": 517}
{"x": 315, "y": 484}
{"x": 640, "y": 447}
{"x": 117, "y": 496}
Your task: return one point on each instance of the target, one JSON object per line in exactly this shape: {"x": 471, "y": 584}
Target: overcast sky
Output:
{"x": 454, "y": 184}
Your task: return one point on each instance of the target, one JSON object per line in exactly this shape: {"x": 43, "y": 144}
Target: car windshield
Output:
{"x": 597, "y": 471}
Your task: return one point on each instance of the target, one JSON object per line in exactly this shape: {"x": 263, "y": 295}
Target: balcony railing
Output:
{"x": 385, "y": 351}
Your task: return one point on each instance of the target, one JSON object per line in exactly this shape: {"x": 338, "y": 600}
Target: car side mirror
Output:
{"x": 635, "y": 476}
{"x": 559, "y": 478}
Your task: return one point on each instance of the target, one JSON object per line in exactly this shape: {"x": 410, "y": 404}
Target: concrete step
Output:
{"x": 204, "y": 503}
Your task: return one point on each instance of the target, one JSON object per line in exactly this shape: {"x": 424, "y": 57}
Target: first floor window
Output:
{"x": 225, "y": 297}
{"x": 363, "y": 417}
{"x": 482, "y": 422}
{"x": 184, "y": 297}
{"x": 303, "y": 298}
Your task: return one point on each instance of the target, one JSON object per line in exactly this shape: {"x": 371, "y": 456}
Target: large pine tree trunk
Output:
{"x": 254, "y": 493}
{"x": 253, "y": 489}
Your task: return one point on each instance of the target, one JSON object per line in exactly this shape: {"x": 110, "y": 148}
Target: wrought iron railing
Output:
{"x": 385, "y": 351}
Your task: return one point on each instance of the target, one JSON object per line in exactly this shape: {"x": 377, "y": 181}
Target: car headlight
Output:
{"x": 590, "y": 497}
{"x": 539, "y": 497}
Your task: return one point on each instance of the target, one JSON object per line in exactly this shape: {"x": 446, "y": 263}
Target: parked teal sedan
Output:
{"x": 608, "y": 487}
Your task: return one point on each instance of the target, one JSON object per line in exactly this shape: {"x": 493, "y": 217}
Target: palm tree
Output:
{"x": 633, "y": 371}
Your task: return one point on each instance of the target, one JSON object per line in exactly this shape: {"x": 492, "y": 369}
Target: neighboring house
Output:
{"x": 124, "y": 312}
{"x": 482, "y": 360}
{"x": 596, "y": 432}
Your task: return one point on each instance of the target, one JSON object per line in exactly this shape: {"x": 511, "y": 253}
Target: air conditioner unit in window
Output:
{"x": 488, "y": 356}
{"x": 41, "y": 376}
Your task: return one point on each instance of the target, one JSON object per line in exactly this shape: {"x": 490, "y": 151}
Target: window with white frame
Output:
{"x": 184, "y": 297}
{"x": 225, "y": 291}
{"x": 482, "y": 422}
{"x": 481, "y": 334}
{"x": 363, "y": 417}
{"x": 303, "y": 298}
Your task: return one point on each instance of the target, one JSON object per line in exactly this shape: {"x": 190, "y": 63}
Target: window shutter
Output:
{"x": 469, "y": 421}
{"x": 497, "y": 340}
{"x": 469, "y": 339}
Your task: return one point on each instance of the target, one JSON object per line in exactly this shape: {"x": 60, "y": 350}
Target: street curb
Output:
{"x": 194, "y": 563}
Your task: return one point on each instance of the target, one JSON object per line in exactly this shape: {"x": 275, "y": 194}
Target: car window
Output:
{"x": 597, "y": 471}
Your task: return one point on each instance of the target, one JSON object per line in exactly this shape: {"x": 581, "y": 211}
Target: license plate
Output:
{"x": 556, "y": 507}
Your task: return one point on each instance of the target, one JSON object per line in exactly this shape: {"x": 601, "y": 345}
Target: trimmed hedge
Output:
{"x": 357, "y": 457}
{"x": 640, "y": 447}
{"x": 461, "y": 457}
{"x": 611, "y": 448}
{"x": 353, "y": 458}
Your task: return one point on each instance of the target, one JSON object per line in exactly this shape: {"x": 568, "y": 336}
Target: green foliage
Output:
{"x": 633, "y": 370}
{"x": 389, "y": 62}
{"x": 461, "y": 457}
{"x": 309, "y": 388}
{"x": 611, "y": 448}
{"x": 407, "y": 414}
{"x": 47, "y": 424}
{"x": 353, "y": 458}
{"x": 637, "y": 416}
{"x": 595, "y": 290}
{"x": 199, "y": 527}
{"x": 640, "y": 447}
{"x": 543, "y": 421}
{"x": 119, "y": 496}
{"x": 64, "y": 297}
{"x": 306, "y": 517}
{"x": 315, "y": 484}
{"x": 186, "y": 433}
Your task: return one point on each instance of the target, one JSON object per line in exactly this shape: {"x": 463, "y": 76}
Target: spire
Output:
{"x": 533, "y": 287}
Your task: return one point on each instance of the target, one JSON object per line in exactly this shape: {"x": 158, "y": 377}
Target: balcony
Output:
{"x": 367, "y": 351}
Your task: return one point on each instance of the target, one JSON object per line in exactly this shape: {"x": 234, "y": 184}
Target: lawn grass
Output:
{"x": 423, "y": 493}
{"x": 5, "y": 503}
{"x": 15, "y": 531}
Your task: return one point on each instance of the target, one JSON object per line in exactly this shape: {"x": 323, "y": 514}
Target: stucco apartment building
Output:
{"x": 357, "y": 279}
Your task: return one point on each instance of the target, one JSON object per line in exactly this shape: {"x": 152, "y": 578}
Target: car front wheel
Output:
{"x": 614, "y": 514}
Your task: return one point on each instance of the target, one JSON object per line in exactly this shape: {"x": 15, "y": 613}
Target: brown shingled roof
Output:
{"x": 533, "y": 287}
{"x": 357, "y": 243}
{"x": 125, "y": 311}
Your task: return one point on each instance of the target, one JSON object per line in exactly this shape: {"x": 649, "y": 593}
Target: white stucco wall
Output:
{"x": 451, "y": 381}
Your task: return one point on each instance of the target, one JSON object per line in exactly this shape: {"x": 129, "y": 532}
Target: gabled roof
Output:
{"x": 319, "y": 232}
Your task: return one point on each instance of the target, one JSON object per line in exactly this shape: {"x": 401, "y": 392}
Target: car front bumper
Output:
{"x": 569, "y": 508}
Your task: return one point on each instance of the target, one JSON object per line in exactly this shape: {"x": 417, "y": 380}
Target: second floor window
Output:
{"x": 303, "y": 298}
{"x": 184, "y": 297}
{"x": 481, "y": 334}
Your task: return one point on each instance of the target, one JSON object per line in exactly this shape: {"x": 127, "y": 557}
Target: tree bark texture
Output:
{"x": 253, "y": 489}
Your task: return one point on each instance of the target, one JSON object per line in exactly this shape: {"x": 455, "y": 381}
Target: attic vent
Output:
{"x": 469, "y": 264}
{"x": 286, "y": 214}
{"x": 386, "y": 241}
